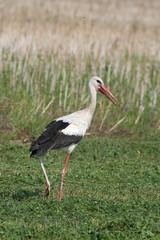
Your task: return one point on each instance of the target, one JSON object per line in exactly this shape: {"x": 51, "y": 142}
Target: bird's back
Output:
{"x": 62, "y": 132}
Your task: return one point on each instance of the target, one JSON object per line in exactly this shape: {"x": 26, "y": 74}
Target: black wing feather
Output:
{"x": 51, "y": 130}
{"x": 53, "y": 138}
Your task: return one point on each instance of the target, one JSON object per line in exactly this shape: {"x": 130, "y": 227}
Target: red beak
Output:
{"x": 103, "y": 89}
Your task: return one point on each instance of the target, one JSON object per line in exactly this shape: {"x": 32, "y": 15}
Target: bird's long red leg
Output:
{"x": 63, "y": 174}
{"x": 45, "y": 174}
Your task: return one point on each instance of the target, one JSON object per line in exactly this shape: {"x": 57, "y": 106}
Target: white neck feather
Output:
{"x": 92, "y": 105}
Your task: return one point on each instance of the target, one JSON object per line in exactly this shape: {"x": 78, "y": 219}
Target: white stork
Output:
{"x": 65, "y": 132}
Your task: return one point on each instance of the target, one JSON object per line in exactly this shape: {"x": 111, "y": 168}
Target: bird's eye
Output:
{"x": 99, "y": 82}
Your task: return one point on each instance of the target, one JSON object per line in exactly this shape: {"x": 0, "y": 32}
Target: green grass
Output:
{"x": 35, "y": 90}
{"x": 111, "y": 191}
{"x": 48, "y": 54}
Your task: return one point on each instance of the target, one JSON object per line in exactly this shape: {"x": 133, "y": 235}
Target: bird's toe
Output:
{"x": 48, "y": 189}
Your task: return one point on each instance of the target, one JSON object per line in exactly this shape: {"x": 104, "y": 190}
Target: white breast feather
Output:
{"x": 79, "y": 123}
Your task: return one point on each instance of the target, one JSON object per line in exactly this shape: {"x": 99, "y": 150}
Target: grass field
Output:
{"x": 48, "y": 52}
{"x": 111, "y": 191}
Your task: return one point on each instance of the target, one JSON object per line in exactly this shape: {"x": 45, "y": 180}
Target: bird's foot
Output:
{"x": 48, "y": 189}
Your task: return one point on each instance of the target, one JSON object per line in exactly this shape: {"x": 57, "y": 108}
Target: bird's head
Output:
{"x": 98, "y": 84}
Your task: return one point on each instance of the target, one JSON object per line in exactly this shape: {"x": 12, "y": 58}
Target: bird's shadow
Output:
{"x": 24, "y": 194}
